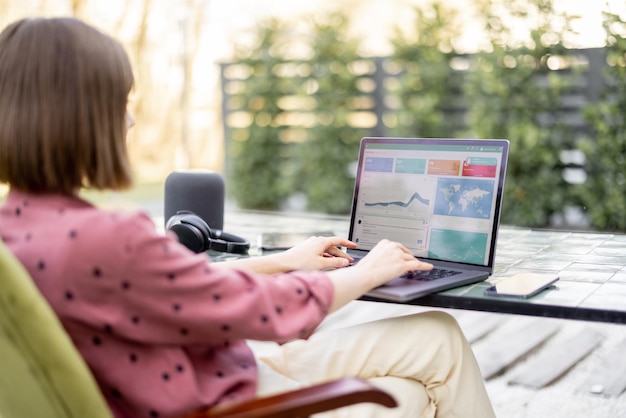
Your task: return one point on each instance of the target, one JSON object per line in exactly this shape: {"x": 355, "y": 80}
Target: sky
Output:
{"x": 373, "y": 20}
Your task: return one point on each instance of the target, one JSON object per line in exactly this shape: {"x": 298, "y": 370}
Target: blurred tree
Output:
{"x": 78, "y": 7}
{"x": 427, "y": 88}
{"x": 512, "y": 89}
{"x": 256, "y": 157}
{"x": 604, "y": 193}
{"x": 191, "y": 26}
{"x": 163, "y": 60}
{"x": 332, "y": 143}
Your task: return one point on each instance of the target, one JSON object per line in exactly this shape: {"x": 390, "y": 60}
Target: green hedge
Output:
{"x": 332, "y": 142}
{"x": 258, "y": 160}
{"x": 603, "y": 195}
{"x": 302, "y": 114}
{"x": 510, "y": 89}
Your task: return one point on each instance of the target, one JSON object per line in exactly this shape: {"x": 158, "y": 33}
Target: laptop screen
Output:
{"x": 441, "y": 198}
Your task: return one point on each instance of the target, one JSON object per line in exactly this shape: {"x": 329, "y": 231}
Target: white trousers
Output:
{"x": 421, "y": 359}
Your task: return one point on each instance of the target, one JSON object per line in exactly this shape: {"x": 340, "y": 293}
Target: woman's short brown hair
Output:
{"x": 64, "y": 88}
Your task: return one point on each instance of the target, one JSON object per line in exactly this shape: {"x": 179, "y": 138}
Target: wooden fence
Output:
{"x": 378, "y": 102}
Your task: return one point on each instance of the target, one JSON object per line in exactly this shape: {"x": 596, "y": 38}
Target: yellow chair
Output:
{"x": 42, "y": 375}
{"x": 41, "y": 372}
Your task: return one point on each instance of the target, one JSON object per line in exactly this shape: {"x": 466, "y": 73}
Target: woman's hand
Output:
{"x": 318, "y": 253}
{"x": 386, "y": 261}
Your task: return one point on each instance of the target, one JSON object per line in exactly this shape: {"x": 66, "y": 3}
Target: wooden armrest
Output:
{"x": 303, "y": 402}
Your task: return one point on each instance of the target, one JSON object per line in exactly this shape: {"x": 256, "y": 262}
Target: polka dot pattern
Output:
{"x": 133, "y": 298}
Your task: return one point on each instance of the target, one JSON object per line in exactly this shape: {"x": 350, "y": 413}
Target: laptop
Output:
{"x": 441, "y": 198}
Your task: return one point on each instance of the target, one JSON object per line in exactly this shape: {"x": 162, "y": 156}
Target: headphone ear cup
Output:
{"x": 190, "y": 236}
{"x": 191, "y": 230}
{"x": 194, "y": 233}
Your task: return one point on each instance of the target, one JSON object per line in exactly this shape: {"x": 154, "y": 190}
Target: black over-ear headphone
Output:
{"x": 194, "y": 233}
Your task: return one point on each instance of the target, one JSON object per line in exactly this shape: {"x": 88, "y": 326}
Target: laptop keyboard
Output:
{"x": 434, "y": 274}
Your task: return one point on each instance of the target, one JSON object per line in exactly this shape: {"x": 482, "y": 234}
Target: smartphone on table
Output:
{"x": 522, "y": 285}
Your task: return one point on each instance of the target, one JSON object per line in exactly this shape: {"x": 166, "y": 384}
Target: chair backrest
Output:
{"x": 42, "y": 375}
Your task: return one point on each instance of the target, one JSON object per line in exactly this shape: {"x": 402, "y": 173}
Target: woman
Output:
{"x": 164, "y": 330}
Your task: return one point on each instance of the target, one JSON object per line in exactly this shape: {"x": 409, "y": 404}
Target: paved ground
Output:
{"x": 567, "y": 397}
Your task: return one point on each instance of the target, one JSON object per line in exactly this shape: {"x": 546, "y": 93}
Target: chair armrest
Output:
{"x": 303, "y": 402}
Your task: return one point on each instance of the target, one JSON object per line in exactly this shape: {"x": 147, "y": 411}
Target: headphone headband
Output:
{"x": 228, "y": 243}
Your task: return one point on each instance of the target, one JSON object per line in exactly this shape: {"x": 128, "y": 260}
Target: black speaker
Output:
{"x": 201, "y": 192}
{"x": 194, "y": 210}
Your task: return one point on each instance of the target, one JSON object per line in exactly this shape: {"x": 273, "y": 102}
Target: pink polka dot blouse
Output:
{"x": 162, "y": 330}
